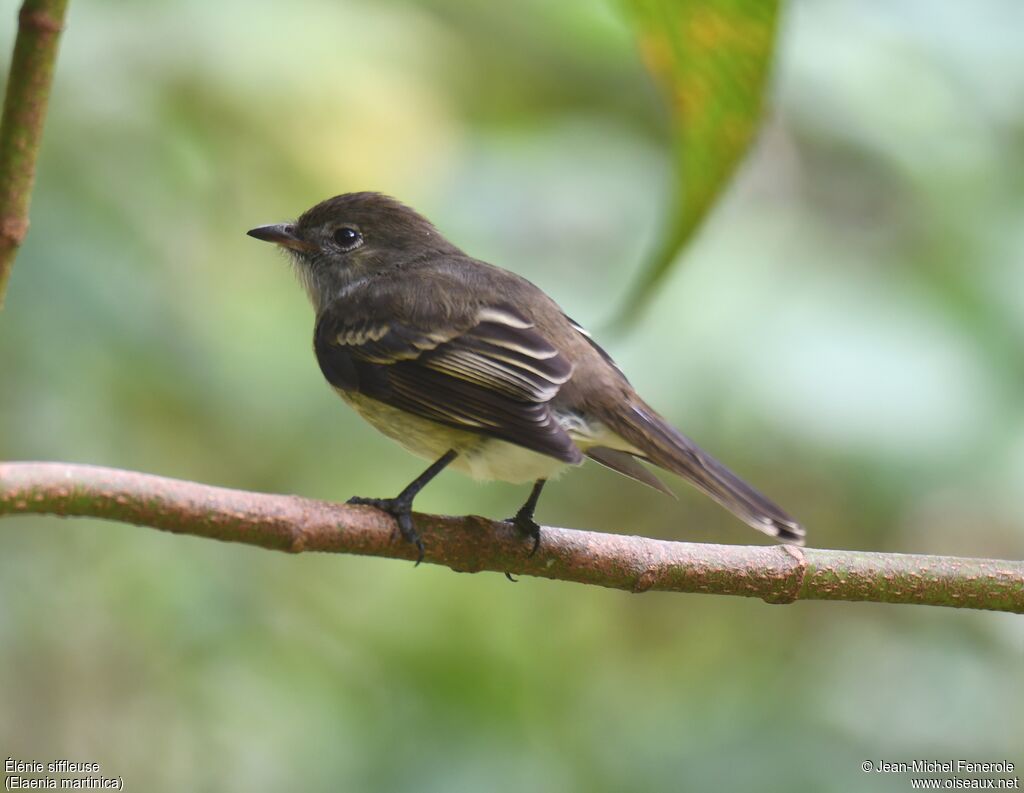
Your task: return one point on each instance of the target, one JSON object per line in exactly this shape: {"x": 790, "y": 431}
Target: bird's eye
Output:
{"x": 347, "y": 238}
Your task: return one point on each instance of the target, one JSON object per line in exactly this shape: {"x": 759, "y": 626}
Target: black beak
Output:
{"x": 282, "y": 234}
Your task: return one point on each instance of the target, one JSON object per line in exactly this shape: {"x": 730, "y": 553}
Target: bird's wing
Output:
{"x": 484, "y": 369}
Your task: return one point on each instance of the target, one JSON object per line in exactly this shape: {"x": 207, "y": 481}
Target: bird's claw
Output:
{"x": 401, "y": 511}
{"x": 528, "y": 527}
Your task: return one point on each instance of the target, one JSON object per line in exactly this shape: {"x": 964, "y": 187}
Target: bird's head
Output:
{"x": 352, "y": 237}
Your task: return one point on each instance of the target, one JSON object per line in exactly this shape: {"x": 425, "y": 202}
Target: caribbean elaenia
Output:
{"x": 474, "y": 367}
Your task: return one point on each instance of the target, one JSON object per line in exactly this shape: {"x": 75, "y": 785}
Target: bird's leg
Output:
{"x": 400, "y": 507}
{"x": 523, "y": 519}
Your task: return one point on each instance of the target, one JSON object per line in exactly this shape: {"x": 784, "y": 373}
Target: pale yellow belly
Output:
{"x": 479, "y": 456}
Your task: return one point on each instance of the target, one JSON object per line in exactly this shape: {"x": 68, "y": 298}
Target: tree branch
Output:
{"x": 776, "y": 574}
{"x": 28, "y": 90}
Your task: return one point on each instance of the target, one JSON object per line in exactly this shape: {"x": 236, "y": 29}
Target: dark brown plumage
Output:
{"x": 460, "y": 360}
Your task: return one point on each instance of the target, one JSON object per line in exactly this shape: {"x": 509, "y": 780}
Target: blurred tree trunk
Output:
{"x": 40, "y": 23}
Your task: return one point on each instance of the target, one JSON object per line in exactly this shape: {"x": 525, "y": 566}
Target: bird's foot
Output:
{"x": 528, "y": 527}
{"x": 523, "y": 519}
{"x": 401, "y": 510}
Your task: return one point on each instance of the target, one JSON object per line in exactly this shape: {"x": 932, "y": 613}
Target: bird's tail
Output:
{"x": 662, "y": 444}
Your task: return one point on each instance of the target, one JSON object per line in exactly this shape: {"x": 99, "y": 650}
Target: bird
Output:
{"x": 477, "y": 369}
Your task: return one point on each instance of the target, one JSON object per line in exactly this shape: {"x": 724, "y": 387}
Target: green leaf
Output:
{"x": 712, "y": 59}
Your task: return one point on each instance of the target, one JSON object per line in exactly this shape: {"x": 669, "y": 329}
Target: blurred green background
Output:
{"x": 846, "y": 332}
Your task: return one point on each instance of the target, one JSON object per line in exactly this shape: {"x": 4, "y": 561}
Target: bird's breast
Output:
{"x": 479, "y": 456}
